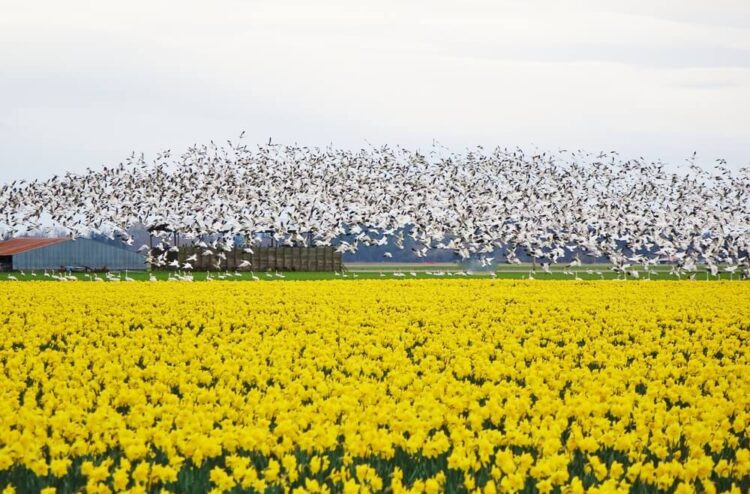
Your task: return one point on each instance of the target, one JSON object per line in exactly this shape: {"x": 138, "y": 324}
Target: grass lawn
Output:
{"x": 384, "y": 271}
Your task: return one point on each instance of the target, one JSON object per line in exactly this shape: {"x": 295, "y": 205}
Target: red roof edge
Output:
{"x": 24, "y": 244}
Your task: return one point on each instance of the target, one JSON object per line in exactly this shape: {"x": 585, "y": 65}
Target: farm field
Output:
{"x": 389, "y": 271}
{"x": 449, "y": 385}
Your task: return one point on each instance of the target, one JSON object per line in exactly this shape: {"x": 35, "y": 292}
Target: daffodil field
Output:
{"x": 375, "y": 386}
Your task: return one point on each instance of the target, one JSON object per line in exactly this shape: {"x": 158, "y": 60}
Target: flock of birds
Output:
{"x": 487, "y": 205}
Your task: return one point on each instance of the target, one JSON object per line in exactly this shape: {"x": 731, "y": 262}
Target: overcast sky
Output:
{"x": 84, "y": 83}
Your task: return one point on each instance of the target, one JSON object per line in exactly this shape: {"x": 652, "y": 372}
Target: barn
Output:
{"x": 28, "y": 253}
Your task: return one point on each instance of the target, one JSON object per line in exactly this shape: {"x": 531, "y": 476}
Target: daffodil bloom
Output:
{"x": 370, "y": 386}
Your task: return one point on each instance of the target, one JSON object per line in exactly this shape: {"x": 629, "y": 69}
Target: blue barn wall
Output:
{"x": 81, "y": 252}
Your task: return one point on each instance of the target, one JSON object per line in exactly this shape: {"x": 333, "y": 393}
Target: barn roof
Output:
{"x": 24, "y": 244}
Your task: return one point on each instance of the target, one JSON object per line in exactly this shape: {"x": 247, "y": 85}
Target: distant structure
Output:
{"x": 81, "y": 254}
{"x": 261, "y": 259}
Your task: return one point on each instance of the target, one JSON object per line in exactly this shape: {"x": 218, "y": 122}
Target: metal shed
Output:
{"x": 55, "y": 253}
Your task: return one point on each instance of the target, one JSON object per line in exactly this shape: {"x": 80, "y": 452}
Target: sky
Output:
{"x": 83, "y": 84}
